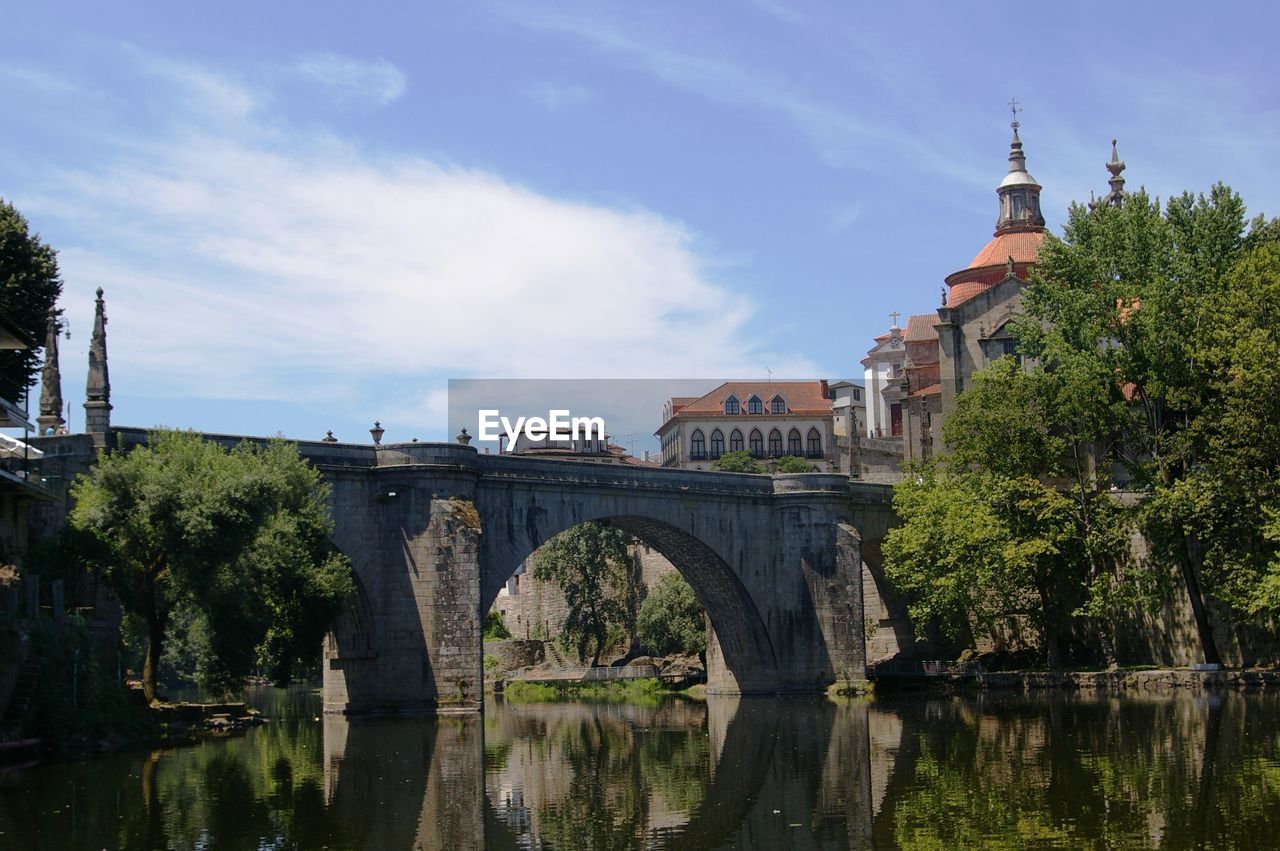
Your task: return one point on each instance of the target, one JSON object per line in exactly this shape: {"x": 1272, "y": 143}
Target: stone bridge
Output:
{"x": 435, "y": 530}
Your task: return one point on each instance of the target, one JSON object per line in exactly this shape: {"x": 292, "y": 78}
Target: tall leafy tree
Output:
{"x": 29, "y": 286}
{"x": 1228, "y": 500}
{"x": 239, "y": 535}
{"x": 1128, "y": 294}
{"x": 1015, "y": 521}
{"x": 671, "y": 620}
{"x": 591, "y": 565}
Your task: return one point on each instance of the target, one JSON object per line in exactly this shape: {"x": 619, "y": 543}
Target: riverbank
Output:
{"x": 1155, "y": 680}
{"x": 636, "y": 691}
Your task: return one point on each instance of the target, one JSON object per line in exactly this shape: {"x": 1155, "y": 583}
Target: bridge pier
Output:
{"x": 416, "y": 647}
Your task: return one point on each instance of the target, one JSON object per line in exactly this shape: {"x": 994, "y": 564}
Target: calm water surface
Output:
{"x": 1052, "y": 772}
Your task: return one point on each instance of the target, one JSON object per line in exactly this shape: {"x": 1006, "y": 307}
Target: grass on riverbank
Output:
{"x": 649, "y": 690}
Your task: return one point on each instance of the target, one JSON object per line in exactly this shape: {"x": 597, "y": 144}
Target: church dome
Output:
{"x": 1017, "y": 178}
{"x": 1018, "y": 237}
{"x": 1023, "y": 246}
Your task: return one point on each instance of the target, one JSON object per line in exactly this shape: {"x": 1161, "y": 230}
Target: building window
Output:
{"x": 757, "y": 443}
{"x": 778, "y": 405}
{"x": 775, "y": 444}
{"x": 717, "y": 444}
{"x": 699, "y": 446}
{"x": 793, "y": 443}
{"x": 735, "y": 441}
{"x": 754, "y": 405}
{"x": 732, "y": 406}
{"x": 815, "y": 444}
{"x": 857, "y": 394}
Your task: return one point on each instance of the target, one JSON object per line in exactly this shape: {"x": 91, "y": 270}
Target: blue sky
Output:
{"x": 307, "y": 216}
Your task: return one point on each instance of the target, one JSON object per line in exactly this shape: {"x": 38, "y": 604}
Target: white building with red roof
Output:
{"x": 768, "y": 419}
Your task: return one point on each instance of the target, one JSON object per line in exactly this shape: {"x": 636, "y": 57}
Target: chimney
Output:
{"x": 826, "y": 391}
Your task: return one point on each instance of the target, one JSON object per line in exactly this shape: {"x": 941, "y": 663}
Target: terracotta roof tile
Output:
{"x": 931, "y": 390}
{"x": 1022, "y": 246}
{"x": 802, "y": 397}
{"x": 920, "y": 328}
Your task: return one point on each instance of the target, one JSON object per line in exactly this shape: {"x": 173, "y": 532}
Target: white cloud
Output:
{"x": 238, "y": 268}
{"x": 355, "y": 79}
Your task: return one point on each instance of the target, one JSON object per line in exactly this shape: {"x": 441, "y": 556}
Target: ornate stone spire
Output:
{"x": 1116, "y": 196}
{"x": 97, "y": 403}
{"x": 50, "y": 420}
{"x": 1019, "y": 193}
{"x": 1116, "y": 166}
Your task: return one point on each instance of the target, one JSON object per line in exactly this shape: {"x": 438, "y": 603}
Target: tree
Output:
{"x": 794, "y": 464}
{"x": 1228, "y": 501}
{"x": 495, "y": 628}
{"x": 29, "y": 287}
{"x": 975, "y": 551}
{"x": 590, "y": 564}
{"x": 1129, "y": 294}
{"x": 241, "y": 536}
{"x": 739, "y": 461}
{"x": 1016, "y": 520}
{"x": 671, "y": 619}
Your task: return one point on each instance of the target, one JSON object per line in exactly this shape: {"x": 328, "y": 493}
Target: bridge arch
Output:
{"x": 739, "y": 630}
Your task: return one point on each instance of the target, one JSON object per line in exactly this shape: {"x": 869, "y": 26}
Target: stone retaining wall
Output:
{"x": 1162, "y": 680}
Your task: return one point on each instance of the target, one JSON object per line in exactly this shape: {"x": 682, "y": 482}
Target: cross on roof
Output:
{"x": 1013, "y": 106}
{"x": 894, "y": 316}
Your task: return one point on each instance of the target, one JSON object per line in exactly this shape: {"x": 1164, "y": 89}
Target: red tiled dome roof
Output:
{"x": 1023, "y": 246}
{"x": 988, "y": 268}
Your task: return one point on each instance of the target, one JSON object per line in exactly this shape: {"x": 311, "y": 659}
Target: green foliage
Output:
{"x": 1015, "y": 522}
{"x": 590, "y": 564}
{"x": 1227, "y": 502}
{"x": 29, "y": 286}
{"x": 976, "y": 550}
{"x": 495, "y": 629}
{"x": 240, "y": 536}
{"x": 592, "y": 567}
{"x": 520, "y": 691}
{"x": 78, "y": 701}
{"x": 794, "y": 464}
{"x": 1172, "y": 313}
{"x": 671, "y": 618}
{"x": 642, "y": 691}
{"x": 739, "y": 461}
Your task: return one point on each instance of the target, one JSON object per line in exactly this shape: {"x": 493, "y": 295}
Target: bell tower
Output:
{"x": 1019, "y": 193}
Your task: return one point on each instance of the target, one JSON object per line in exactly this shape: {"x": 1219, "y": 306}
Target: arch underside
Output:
{"x": 739, "y": 627}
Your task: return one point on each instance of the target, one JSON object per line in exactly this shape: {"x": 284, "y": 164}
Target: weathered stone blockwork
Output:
{"x": 434, "y": 530}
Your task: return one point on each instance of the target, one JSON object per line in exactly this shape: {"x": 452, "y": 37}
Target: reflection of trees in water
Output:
{"x": 595, "y": 776}
{"x": 1070, "y": 772}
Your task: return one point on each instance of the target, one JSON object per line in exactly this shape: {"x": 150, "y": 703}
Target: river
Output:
{"x": 1000, "y": 771}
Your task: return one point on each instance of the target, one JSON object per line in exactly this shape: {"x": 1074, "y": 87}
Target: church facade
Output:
{"x": 914, "y": 374}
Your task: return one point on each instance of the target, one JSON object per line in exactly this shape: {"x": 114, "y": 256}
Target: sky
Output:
{"x": 307, "y": 215}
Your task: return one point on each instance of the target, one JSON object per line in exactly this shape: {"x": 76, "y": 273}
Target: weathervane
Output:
{"x": 1013, "y": 106}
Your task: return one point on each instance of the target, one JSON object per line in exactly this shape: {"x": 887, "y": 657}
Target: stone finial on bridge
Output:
{"x": 97, "y": 402}
{"x": 464, "y": 438}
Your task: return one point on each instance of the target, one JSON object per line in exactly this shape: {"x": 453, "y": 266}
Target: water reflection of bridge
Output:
{"x": 769, "y": 774}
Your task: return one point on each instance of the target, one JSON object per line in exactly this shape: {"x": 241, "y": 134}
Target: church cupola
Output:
{"x": 1019, "y": 193}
